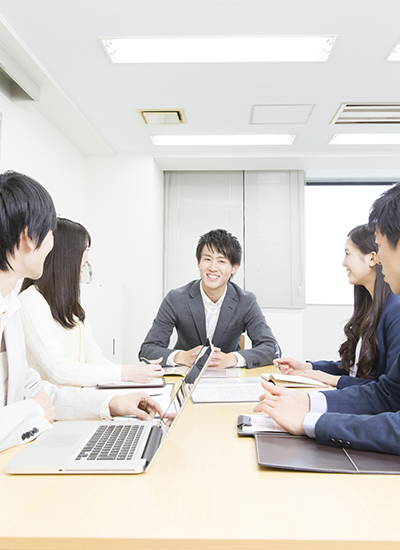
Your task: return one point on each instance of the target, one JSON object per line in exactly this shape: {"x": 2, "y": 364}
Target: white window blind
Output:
{"x": 274, "y": 238}
{"x": 264, "y": 210}
{"x": 195, "y": 203}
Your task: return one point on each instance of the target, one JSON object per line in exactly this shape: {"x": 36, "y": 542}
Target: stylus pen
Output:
{"x": 277, "y": 354}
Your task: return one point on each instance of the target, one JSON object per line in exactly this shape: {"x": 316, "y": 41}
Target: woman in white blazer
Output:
{"x": 60, "y": 344}
{"x": 28, "y": 405}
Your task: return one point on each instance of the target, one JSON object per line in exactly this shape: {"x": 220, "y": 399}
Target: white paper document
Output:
{"x": 231, "y": 390}
{"x": 261, "y": 423}
{"x": 162, "y": 395}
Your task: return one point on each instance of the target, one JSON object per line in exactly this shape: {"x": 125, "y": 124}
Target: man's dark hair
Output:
{"x": 60, "y": 281}
{"x": 223, "y": 242}
{"x": 385, "y": 213}
{"x": 24, "y": 204}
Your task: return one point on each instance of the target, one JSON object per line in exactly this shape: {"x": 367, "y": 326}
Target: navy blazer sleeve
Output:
{"x": 365, "y": 417}
{"x": 388, "y": 334}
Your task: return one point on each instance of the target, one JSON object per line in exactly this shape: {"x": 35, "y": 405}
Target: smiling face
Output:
{"x": 389, "y": 258}
{"x": 361, "y": 268}
{"x": 215, "y": 272}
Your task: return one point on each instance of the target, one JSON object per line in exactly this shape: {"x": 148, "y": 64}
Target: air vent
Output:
{"x": 367, "y": 113}
{"x": 163, "y": 116}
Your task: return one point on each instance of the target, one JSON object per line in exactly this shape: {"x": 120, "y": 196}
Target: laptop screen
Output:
{"x": 191, "y": 378}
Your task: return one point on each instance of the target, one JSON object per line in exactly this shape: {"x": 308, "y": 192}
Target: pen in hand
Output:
{"x": 277, "y": 355}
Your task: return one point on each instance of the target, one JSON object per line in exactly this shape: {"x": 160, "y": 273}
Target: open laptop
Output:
{"x": 125, "y": 446}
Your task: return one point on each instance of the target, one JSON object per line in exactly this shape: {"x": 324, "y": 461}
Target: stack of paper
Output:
{"x": 228, "y": 390}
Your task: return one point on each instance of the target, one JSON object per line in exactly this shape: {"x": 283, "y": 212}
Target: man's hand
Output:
{"x": 287, "y": 407}
{"x": 139, "y": 404}
{"x": 287, "y": 365}
{"x": 142, "y": 373}
{"x": 221, "y": 360}
{"x": 187, "y": 357}
{"x": 46, "y": 403}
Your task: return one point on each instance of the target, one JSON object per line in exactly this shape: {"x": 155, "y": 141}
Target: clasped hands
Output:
{"x": 219, "y": 360}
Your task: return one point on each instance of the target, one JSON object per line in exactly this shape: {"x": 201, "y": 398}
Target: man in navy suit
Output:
{"x": 213, "y": 307}
{"x": 365, "y": 417}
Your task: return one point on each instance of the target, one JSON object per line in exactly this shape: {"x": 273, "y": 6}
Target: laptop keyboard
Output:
{"x": 112, "y": 443}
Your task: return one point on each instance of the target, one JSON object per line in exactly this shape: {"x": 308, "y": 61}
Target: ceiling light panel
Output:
{"x": 269, "y": 139}
{"x": 365, "y": 139}
{"x": 280, "y": 114}
{"x": 227, "y": 49}
{"x": 367, "y": 113}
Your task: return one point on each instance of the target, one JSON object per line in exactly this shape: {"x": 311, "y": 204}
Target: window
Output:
{"x": 331, "y": 211}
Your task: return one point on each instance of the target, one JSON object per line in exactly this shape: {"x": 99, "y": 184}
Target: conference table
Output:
{"x": 205, "y": 490}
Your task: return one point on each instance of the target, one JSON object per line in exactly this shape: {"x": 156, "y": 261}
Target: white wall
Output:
{"x": 124, "y": 215}
{"x": 313, "y": 333}
{"x": 32, "y": 145}
{"x": 120, "y": 200}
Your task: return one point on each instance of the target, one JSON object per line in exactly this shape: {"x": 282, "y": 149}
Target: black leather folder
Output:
{"x": 301, "y": 453}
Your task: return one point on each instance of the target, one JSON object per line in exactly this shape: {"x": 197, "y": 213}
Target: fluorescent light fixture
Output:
{"x": 365, "y": 139}
{"x": 270, "y": 139}
{"x": 240, "y": 49}
{"x": 395, "y": 54}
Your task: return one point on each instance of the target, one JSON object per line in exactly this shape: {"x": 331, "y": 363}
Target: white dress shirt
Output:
{"x": 9, "y": 304}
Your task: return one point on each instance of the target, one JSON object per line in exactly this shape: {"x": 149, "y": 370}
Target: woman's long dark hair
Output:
{"x": 59, "y": 283}
{"x": 367, "y": 312}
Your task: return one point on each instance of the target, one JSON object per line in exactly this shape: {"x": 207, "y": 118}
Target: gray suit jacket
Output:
{"x": 183, "y": 309}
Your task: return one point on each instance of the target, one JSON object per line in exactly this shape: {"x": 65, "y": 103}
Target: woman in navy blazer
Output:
{"x": 373, "y": 332}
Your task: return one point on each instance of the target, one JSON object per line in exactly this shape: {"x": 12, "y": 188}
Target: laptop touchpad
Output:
{"x": 64, "y": 440}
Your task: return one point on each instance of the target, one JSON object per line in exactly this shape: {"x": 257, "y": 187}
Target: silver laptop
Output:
{"x": 125, "y": 446}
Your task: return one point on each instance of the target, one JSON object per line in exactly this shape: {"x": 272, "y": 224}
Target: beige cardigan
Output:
{"x": 66, "y": 357}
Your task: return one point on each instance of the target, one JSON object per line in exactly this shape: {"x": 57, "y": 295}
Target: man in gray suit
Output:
{"x": 213, "y": 307}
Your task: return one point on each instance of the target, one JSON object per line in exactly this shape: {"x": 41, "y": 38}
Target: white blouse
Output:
{"x": 66, "y": 357}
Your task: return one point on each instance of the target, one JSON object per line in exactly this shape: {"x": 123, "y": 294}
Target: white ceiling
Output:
{"x": 94, "y": 102}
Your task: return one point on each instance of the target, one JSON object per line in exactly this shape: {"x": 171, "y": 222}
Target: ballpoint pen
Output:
{"x": 277, "y": 354}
